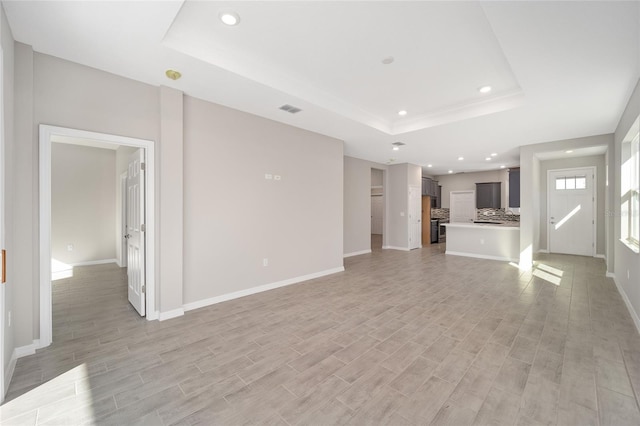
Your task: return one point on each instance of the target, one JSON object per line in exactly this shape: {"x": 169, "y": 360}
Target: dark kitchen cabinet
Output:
{"x": 514, "y": 188}
{"x": 488, "y": 195}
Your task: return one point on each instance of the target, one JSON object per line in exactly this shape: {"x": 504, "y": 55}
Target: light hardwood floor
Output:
{"x": 399, "y": 338}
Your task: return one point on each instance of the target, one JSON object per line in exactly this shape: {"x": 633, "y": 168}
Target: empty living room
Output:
{"x": 320, "y": 212}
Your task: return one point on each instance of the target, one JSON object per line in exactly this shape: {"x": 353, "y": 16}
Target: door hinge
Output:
{"x": 143, "y": 228}
{"x": 144, "y": 288}
{"x": 143, "y": 166}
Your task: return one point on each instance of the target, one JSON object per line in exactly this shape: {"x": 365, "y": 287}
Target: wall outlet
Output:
{"x": 69, "y": 247}
{"x": 277, "y": 177}
{"x": 265, "y": 262}
{"x": 268, "y": 176}
{"x": 402, "y": 214}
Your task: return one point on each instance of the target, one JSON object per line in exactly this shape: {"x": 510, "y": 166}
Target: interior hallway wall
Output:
{"x": 83, "y": 200}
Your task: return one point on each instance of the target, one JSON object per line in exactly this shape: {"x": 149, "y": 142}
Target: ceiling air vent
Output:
{"x": 398, "y": 144}
{"x": 290, "y": 108}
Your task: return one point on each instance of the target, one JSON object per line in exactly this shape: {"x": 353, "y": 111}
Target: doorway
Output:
{"x": 377, "y": 208}
{"x": 48, "y": 134}
{"x": 571, "y": 199}
{"x": 415, "y": 217}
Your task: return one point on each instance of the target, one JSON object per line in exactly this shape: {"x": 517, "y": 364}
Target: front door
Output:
{"x": 571, "y": 220}
{"x": 135, "y": 231}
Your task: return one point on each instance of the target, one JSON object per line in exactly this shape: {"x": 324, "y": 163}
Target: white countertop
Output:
{"x": 502, "y": 226}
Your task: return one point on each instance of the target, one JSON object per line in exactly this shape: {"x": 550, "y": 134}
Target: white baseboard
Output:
{"x": 174, "y": 313}
{"x": 153, "y": 315}
{"x": 480, "y": 256}
{"x": 610, "y": 275}
{"x": 601, "y": 256}
{"x": 545, "y": 251}
{"x": 230, "y": 296}
{"x": 357, "y": 253}
{"x": 395, "y": 248}
{"x": 95, "y": 262}
{"x": 27, "y": 349}
{"x": 632, "y": 312}
{"x": 8, "y": 374}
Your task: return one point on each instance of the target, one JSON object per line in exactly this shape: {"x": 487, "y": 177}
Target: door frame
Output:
{"x": 46, "y": 133}
{"x": 594, "y": 212}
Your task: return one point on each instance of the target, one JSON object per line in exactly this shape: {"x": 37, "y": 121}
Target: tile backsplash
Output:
{"x": 481, "y": 214}
{"x": 496, "y": 214}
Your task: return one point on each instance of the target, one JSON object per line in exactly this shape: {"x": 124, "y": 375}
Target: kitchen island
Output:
{"x": 497, "y": 241}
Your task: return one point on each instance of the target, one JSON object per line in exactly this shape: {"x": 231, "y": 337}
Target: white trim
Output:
{"x": 396, "y": 248}
{"x": 259, "y": 289}
{"x": 95, "y": 262}
{"x": 153, "y": 315}
{"x": 46, "y": 132}
{"x": 632, "y": 312}
{"x": 545, "y": 251}
{"x": 610, "y": 275}
{"x": 594, "y": 207}
{"x": 27, "y": 350}
{"x": 480, "y": 256}
{"x": 162, "y": 316}
{"x": 8, "y": 374}
{"x": 357, "y": 253}
{"x": 600, "y": 256}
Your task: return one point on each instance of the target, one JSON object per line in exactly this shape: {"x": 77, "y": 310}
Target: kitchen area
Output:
{"x": 473, "y": 214}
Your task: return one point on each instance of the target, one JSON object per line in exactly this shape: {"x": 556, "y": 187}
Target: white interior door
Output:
{"x": 571, "y": 220}
{"x": 462, "y": 206}
{"x": 376, "y": 214}
{"x": 135, "y": 231}
{"x": 415, "y": 217}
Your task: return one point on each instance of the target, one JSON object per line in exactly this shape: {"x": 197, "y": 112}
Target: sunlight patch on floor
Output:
{"x": 60, "y": 270}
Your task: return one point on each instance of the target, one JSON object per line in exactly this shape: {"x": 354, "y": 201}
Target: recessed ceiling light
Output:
{"x": 493, "y": 154}
{"x": 460, "y": 158}
{"x": 388, "y": 60}
{"x": 396, "y": 148}
{"x": 450, "y": 171}
{"x": 502, "y": 166}
{"x": 429, "y": 165}
{"x": 569, "y": 151}
{"x": 173, "y": 74}
{"x": 488, "y": 158}
{"x": 230, "y": 18}
{"x": 402, "y": 113}
{"x": 484, "y": 89}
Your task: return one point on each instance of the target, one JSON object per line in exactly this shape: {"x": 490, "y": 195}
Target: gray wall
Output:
{"x": 601, "y": 194}
{"x": 8, "y": 170}
{"x": 226, "y": 154}
{"x": 467, "y": 181}
{"x": 83, "y": 200}
{"x": 400, "y": 178}
{"x": 234, "y": 217}
{"x": 627, "y": 263}
{"x": 357, "y": 204}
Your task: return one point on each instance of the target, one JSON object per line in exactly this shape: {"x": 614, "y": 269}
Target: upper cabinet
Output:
{"x": 431, "y": 188}
{"x": 488, "y": 195}
{"x": 514, "y": 188}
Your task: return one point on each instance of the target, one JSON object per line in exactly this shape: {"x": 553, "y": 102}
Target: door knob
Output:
{"x": 127, "y": 236}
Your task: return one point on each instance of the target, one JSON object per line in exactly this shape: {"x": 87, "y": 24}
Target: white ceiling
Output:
{"x": 558, "y": 70}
